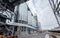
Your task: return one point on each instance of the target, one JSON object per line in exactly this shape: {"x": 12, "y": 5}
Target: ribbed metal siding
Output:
{"x": 23, "y": 14}
{"x": 31, "y": 19}
{"x": 33, "y": 22}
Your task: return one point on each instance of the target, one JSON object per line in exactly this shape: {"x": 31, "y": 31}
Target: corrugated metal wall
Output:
{"x": 23, "y": 12}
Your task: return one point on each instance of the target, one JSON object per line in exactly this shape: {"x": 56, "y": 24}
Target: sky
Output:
{"x": 45, "y": 15}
